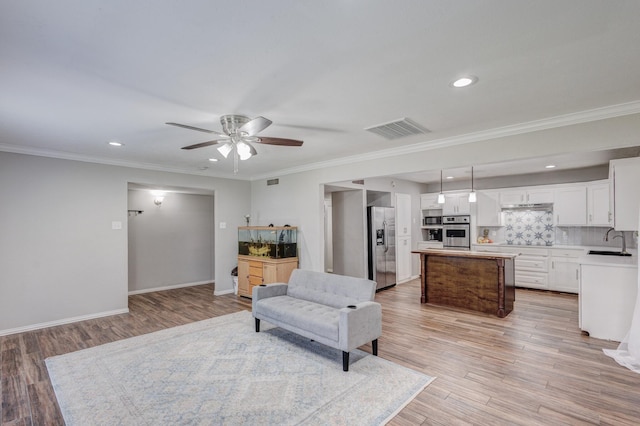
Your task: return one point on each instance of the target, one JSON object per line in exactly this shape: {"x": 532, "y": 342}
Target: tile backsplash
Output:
{"x": 531, "y": 228}
{"x": 525, "y": 230}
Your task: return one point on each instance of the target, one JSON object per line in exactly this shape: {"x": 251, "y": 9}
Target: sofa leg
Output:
{"x": 345, "y": 361}
{"x": 257, "y": 325}
{"x": 374, "y": 347}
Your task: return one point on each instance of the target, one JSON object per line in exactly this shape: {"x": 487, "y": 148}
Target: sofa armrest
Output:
{"x": 360, "y": 325}
{"x": 263, "y": 292}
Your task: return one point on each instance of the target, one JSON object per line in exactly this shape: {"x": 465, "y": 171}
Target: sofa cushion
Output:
{"x": 316, "y": 318}
{"x": 337, "y": 291}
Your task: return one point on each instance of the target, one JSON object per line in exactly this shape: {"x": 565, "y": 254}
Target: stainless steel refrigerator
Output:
{"x": 382, "y": 246}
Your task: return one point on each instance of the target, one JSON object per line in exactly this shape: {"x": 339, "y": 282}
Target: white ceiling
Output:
{"x": 76, "y": 74}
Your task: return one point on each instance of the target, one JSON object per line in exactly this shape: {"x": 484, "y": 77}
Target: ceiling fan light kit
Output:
{"x": 225, "y": 149}
{"x": 239, "y": 133}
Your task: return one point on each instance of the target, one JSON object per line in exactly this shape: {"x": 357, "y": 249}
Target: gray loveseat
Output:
{"x": 335, "y": 310}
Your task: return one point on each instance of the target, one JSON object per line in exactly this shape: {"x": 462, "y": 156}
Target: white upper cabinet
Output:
{"x": 456, "y": 204}
{"x": 540, "y": 196}
{"x": 488, "y": 209}
{"x": 429, "y": 202}
{"x": 624, "y": 179}
{"x": 570, "y": 206}
{"x": 598, "y": 211}
{"x": 513, "y": 196}
{"x": 526, "y": 196}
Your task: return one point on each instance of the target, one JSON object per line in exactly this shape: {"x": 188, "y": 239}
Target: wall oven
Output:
{"x": 456, "y": 232}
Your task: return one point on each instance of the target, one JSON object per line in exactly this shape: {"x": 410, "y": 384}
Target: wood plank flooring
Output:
{"x": 533, "y": 367}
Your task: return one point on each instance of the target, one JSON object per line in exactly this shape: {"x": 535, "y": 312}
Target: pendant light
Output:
{"x": 472, "y": 194}
{"x": 441, "y": 195}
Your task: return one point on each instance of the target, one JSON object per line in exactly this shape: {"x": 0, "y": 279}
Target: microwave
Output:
{"x": 432, "y": 220}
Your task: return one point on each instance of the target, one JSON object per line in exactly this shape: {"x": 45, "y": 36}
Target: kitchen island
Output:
{"x": 479, "y": 281}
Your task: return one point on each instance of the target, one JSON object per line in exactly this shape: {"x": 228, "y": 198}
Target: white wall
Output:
{"x": 59, "y": 258}
{"x": 299, "y": 197}
{"x": 171, "y": 244}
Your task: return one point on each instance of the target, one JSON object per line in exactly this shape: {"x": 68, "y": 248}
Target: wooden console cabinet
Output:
{"x": 253, "y": 271}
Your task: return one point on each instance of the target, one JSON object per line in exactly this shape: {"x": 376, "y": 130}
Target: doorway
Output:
{"x": 170, "y": 240}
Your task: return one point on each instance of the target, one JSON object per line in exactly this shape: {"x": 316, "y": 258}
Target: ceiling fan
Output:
{"x": 239, "y": 133}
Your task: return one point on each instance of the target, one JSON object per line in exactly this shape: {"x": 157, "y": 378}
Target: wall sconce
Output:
{"x": 472, "y": 194}
{"x": 158, "y": 197}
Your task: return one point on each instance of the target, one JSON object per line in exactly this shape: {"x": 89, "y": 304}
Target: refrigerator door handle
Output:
{"x": 384, "y": 227}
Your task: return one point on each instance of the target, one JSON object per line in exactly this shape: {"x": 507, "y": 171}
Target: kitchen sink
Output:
{"x": 608, "y": 253}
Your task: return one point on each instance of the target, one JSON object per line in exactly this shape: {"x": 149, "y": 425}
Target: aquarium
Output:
{"x": 275, "y": 242}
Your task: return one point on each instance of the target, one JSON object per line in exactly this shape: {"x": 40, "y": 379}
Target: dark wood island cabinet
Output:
{"x": 479, "y": 281}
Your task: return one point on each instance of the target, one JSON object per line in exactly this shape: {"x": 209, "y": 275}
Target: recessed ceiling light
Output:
{"x": 114, "y": 143}
{"x": 213, "y": 160}
{"x": 550, "y": 166}
{"x": 449, "y": 177}
{"x": 465, "y": 81}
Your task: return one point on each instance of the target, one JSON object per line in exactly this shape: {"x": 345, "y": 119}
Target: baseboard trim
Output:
{"x": 413, "y": 277}
{"x": 222, "y": 292}
{"x": 170, "y": 287}
{"x": 62, "y": 322}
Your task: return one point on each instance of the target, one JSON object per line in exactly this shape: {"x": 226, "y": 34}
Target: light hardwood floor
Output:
{"x": 532, "y": 367}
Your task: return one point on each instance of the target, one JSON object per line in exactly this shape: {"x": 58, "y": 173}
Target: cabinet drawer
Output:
{"x": 531, "y": 263}
{"x": 567, "y": 253}
{"x": 255, "y": 269}
{"x": 255, "y": 264}
{"x": 490, "y": 249}
{"x": 532, "y": 280}
{"x": 254, "y": 280}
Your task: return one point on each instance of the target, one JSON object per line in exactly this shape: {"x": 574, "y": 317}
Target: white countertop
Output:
{"x": 618, "y": 261}
{"x": 556, "y": 246}
{"x": 587, "y": 259}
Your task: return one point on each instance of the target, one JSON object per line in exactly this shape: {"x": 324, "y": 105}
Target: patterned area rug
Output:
{"x": 220, "y": 371}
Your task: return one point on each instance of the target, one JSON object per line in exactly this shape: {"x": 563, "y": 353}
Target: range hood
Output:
{"x": 544, "y": 207}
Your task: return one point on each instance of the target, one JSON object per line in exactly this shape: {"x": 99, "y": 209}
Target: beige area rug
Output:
{"x": 221, "y": 372}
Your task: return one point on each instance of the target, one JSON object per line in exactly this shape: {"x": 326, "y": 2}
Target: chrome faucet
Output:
{"x": 621, "y": 235}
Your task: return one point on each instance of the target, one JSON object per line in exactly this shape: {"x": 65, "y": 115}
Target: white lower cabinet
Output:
{"x": 403, "y": 259}
{"x": 564, "y": 275}
{"x": 532, "y": 268}
{"x": 607, "y": 299}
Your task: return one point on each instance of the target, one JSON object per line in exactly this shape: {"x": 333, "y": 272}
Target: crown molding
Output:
{"x": 511, "y": 130}
{"x": 596, "y": 114}
{"x": 62, "y": 155}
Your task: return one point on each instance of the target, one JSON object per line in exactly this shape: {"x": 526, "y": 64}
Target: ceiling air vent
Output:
{"x": 398, "y": 129}
{"x": 273, "y": 182}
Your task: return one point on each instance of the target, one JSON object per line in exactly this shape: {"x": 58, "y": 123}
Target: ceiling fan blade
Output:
{"x": 280, "y": 141}
{"x": 201, "y": 145}
{"x": 184, "y": 126}
{"x": 254, "y": 126}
